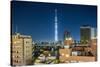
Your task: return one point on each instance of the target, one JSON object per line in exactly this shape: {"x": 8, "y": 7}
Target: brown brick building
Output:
{"x": 21, "y": 50}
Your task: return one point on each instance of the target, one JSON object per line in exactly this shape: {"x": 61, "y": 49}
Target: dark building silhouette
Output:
{"x": 85, "y": 34}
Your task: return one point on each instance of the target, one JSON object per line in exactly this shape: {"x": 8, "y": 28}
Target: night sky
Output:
{"x": 37, "y": 19}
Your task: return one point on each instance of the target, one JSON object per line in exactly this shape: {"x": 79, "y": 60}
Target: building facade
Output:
{"x": 21, "y": 50}
{"x": 85, "y": 34}
{"x": 68, "y": 41}
{"x": 93, "y": 33}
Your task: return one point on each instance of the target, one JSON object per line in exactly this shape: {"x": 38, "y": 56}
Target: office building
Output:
{"x": 68, "y": 41}
{"x": 93, "y": 33}
{"x": 85, "y": 34}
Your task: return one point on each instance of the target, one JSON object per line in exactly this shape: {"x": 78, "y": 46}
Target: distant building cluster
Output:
{"x": 26, "y": 52}
{"x": 84, "y": 50}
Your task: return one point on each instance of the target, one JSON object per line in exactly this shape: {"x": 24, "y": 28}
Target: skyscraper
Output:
{"x": 67, "y": 35}
{"x": 67, "y": 39}
{"x": 85, "y": 34}
{"x": 56, "y": 26}
{"x": 93, "y": 33}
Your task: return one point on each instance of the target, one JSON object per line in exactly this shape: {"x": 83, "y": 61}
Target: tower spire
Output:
{"x": 56, "y": 26}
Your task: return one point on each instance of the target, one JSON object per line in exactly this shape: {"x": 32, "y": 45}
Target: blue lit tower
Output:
{"x": 56, "y": 26}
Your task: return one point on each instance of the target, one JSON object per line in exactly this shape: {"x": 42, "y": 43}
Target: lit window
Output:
{"x": 67, "y": 55}
{"x": 62, "y": 54}
{"x": 66, "y": 38}
{"x": 15, "y": 42}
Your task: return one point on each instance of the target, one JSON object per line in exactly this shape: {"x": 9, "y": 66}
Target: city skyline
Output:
{"x": 38, "y": 19}
{"x": 52, "y": 33}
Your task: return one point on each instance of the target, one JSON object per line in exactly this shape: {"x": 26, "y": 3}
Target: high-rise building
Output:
{"x": 85, "y": 34}
{"x": 21, "y": 50}
{"x": 56, "y": 26}
{"x": 67, "y": 39}
{"x": 67, "y": 35}
{"x": 93, "y": 33}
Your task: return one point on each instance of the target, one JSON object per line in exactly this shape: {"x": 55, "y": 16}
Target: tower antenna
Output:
{"x": 56, "y": 26}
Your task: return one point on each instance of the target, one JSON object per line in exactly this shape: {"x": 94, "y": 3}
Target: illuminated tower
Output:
{"x": 56, "y": 26}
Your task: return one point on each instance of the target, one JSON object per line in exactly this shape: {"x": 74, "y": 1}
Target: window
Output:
{"x": 67, "y": 55}
{"x": 17, "y": 51}
{"x": 74, "y": 53}
{"x": 17, "y": 56}
{"x": 14, "y": 51}
{"x": 16, "y": 61}
{"x": 62, "y": 54}
{"x": 27, "y": 42}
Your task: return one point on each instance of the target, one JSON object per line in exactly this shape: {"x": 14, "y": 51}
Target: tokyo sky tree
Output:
{"x": 56, "y": 26}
